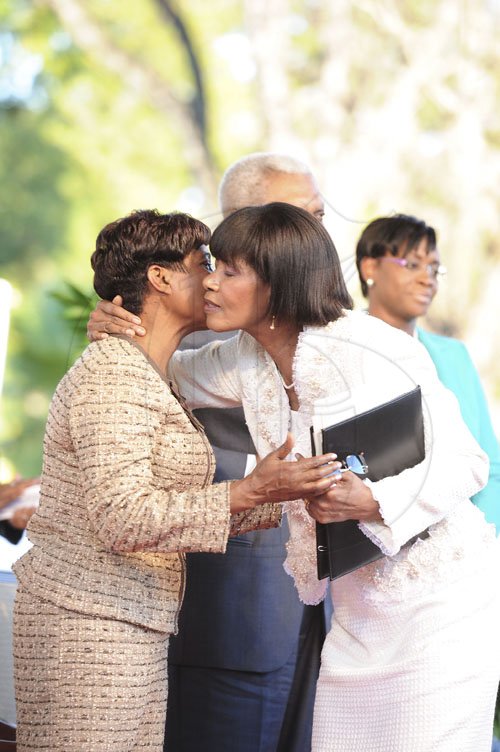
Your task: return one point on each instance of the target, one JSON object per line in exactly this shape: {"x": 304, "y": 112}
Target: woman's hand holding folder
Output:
{"x": 349, "y": 499}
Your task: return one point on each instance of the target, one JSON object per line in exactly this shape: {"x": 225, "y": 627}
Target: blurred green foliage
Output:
{"x": 79, "y": 147}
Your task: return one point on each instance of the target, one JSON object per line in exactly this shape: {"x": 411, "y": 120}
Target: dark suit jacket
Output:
{"x": 10, "y": 532}
{"x": 240, "y": 609}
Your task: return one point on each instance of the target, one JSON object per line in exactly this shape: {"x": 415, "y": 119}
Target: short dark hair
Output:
{"x": 127, "y": 247}
{"x": 397, "y": 235}
{"x": 291, "y": 251}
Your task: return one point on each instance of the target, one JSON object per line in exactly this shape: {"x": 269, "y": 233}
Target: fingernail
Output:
{"x": 140, "y": 330}
{"x": 136, "y": 320}
{"x": 130, "y": 332}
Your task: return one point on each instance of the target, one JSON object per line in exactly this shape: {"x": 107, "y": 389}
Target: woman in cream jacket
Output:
{"x": 125, "y": 491}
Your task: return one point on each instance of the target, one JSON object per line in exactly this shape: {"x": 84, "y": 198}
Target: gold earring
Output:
{"x": 370, "y": 282}
{"x": 272, "y": 326}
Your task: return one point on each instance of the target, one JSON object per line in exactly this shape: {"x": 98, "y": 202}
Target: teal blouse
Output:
{"x": 457, "y": 372}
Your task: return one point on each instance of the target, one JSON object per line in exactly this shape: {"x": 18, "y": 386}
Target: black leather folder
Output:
{"x": 391, "y": 439}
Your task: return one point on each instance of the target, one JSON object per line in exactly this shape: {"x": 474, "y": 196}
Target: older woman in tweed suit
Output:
{"x": 125, "y": 491}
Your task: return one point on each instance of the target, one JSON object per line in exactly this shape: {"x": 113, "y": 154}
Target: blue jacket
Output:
{"x": 240, "y": 610}
{"x": 457, "y": 372}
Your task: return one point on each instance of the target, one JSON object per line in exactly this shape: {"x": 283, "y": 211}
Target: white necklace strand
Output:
{"x": 287, "y": 386}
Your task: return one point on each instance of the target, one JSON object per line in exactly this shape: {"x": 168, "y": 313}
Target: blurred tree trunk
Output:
{"x": 190, "y": 119}
{"x": 198, "y": 104}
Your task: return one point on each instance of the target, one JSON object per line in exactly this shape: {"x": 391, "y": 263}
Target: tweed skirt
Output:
{"x": 86, "y": 684}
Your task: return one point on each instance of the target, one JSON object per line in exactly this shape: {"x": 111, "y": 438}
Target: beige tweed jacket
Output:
{"x": 125, "y": 491}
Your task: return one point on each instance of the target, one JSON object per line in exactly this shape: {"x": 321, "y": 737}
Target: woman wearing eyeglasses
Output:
{"x": 399, "y": 269}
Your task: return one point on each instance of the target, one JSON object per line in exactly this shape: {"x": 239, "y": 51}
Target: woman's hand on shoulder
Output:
{"x": 110, "y": 318}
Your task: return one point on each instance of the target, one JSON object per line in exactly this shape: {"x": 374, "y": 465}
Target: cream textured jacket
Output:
{"x": 125, "y": 491}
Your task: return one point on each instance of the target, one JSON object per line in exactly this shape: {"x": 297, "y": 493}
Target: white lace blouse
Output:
{"x": 361, "y": 362}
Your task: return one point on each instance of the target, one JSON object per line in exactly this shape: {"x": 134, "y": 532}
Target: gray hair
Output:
{"x": 244, "y": 182}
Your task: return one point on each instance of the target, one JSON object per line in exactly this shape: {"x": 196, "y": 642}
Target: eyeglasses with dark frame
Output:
{"x": 434, "y": 270}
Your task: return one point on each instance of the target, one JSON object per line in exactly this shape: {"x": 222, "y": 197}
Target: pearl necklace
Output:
{"x": 286, "y": 386}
